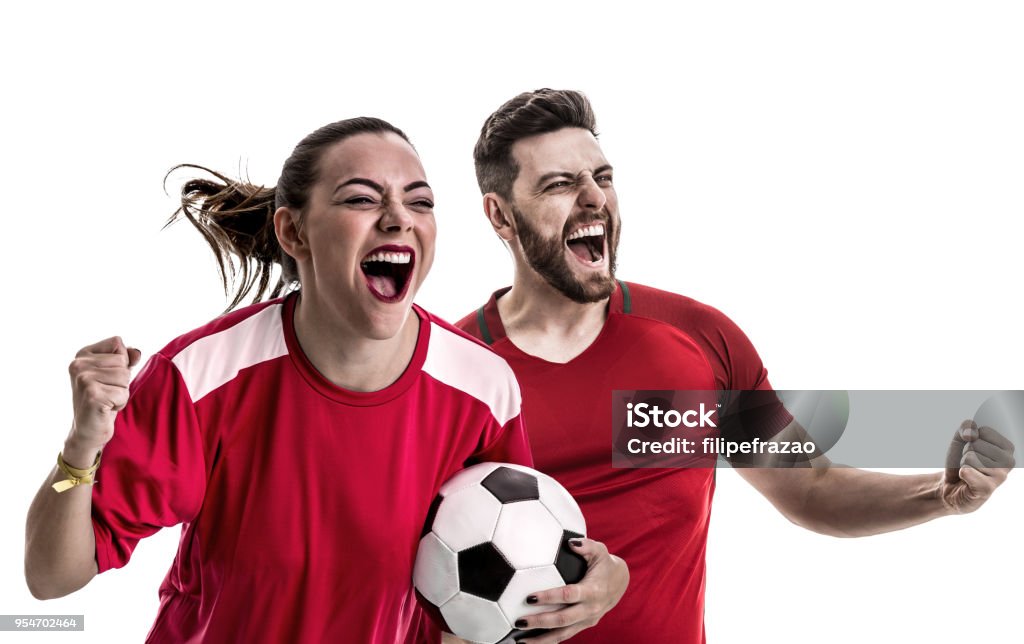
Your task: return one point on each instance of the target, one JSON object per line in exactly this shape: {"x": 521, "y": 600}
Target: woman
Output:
{"x": 299, "y": 440}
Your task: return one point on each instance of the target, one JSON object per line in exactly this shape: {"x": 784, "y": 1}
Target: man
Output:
{"x": 573, "y": 333}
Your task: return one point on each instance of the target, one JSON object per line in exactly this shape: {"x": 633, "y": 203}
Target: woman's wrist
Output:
{"x": 78, "y": 455}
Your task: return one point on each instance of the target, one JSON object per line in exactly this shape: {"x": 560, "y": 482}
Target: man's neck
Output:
{"x": 544, "y": 323}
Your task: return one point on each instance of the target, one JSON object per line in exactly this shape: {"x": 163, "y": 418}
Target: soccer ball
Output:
{"x": 495, "y": 534}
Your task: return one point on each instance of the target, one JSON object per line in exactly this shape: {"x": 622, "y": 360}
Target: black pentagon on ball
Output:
{"x": 509, "y": 485}
{"x": 570, "y": 565}
{"x": 484, "y": 572}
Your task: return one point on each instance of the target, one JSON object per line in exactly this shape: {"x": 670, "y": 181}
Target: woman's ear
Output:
{"x": 290, "y": 234}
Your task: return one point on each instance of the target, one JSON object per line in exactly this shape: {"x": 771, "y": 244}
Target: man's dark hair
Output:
{"x": 531, "y": 113}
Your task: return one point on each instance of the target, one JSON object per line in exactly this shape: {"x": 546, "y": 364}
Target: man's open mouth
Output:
{"x": 388, "y": 270}
{"x": 587, "y": 243}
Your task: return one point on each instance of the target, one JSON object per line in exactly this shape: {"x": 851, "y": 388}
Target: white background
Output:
{"x": 844, "y": 181}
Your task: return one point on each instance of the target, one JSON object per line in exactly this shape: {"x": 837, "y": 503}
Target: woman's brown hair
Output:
{"x": 236, "y": 218}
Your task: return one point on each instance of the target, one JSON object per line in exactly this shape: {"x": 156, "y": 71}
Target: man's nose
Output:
{"x": 591, "y": 196}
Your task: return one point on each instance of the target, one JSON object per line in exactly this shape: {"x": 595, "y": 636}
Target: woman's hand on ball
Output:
{"x": 581, "y": 605}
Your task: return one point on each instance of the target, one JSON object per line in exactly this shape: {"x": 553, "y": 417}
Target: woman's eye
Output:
{"x": 424, "y": 203}
{"x": 358, "y": 200}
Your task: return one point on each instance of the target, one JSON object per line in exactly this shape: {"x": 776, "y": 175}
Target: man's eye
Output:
{"x": 605, "y": 179}
{"x": 558, "y": 184}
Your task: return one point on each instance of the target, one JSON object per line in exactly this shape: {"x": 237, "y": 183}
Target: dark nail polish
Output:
{"x": 532, "y": 599}
{"x": 576, "y": 543}
{"x": 520, "y": 623}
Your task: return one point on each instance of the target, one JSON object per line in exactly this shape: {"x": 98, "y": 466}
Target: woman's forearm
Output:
{"x": 60, "y": 547}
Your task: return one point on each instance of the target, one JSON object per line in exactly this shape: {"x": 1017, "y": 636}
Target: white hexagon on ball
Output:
{"x": 561, "y": 504}
{"x": 475, "y": 619}
{"x": 527, "y": 534}
{"x": 436, "y": 572}
{"x": 466, "y": 517}
{"x": 524, "y": 583}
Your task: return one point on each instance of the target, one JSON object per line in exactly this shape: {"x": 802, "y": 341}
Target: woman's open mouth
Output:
{"x": 388, "y": 271}
{"x": 587, "y": 243}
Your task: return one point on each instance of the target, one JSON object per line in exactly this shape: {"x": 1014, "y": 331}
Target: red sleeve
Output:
{"x": 741, "y": 364}
{"x": 153, "y": 472}
{"x": 510, "y": 446}
{"x": 732, "y": 356}
{"x": 734, "y": 360}
{"x": 738, "y": 367}
{"x": 508, "y": 442}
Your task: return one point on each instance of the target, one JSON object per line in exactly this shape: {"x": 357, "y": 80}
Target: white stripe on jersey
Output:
{"x": 213, "y": 360}
{"x": 470, "y": 368}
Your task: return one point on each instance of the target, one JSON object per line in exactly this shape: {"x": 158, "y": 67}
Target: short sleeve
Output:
{"x": 510, "y": 446}
{"x": 153, "y": 472}
{"x": 734, "y": 361}
{"x": 738, "y": 368}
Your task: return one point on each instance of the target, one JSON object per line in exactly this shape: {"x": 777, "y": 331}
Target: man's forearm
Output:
{"x": 848, "y": 502}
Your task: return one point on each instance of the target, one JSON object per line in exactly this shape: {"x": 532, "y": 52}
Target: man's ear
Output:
{"x": 290, "y": 234}
{"x": 499, "y": 213}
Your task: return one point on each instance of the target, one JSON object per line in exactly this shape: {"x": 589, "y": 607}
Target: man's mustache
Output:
{"x": 588, "y": 219}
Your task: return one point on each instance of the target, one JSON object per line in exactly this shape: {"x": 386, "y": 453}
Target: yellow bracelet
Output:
{"x": 75, "y": 475}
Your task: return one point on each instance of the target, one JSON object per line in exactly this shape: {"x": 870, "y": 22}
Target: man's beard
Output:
{"x": 546, "y": 255}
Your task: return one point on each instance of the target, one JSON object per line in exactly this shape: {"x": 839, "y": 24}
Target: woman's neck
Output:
{"x": 349, "y": 359}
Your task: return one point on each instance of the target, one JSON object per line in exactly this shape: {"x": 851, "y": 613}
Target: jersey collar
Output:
{"x": 492, "y": 330}
{"x": 347, "y": 396}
